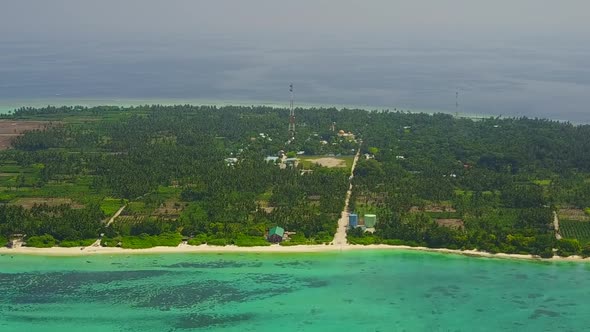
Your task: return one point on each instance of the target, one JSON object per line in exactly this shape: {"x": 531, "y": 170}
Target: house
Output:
{"x": 231, "y": 161}
{"x": 275, "y": 234}
{"x": 271, "y": 159}
{"x": 347, "y": 135}
{"x": 16, "y": 241}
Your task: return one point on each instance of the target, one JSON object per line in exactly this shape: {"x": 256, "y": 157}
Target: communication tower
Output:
{"x": 457, "y": 104}
{"x": 291, "y": 113}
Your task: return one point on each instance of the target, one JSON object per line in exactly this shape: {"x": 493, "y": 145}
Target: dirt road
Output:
{"x": 556, "y": 226}
{"x": 116, "y": 215}
{"x": 340, "y": 236}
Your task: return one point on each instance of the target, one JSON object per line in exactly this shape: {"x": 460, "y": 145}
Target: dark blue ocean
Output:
{"x": 553, "y": 83}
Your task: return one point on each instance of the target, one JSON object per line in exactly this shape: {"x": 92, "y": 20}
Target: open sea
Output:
{"x": 339, "y": 291}
{"x": 490, "y": 79}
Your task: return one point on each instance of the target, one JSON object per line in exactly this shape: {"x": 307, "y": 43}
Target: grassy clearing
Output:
{"x": 111, "y": 205}
{"x": 265, "y": 196}
{"x": 544, "y": 182}
{"x": 167, "y": 192}
{"x": 138, "y": 207}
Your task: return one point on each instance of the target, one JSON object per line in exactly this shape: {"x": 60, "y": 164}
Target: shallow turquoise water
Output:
{"x": 353, "y": 291}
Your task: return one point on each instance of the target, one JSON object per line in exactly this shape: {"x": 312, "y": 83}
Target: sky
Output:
{"x": 375, "y": 22}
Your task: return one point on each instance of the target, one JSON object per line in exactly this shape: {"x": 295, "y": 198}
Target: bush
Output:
{"x": 198, "y": 240}
{"x": 365, "y": 240}
{"x": 568, "y": 247}
{"x": 586, "y": 250}
{"x": 587, "y": 211}
{"x": 296, "y": 240}
{"x": 251, "y": 241}
{"x": 43, "y": 241}
{"x": 148, "y": 241}
{"x": 217, "y": 242}
{"x": 546, "y": 253}
{"x": 396, "y": 242}
{"x": 76, "y": 243}
{"x": 110, "y": 241}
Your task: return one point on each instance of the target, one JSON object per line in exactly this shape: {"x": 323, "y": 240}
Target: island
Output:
{"x": 98, "y": 179}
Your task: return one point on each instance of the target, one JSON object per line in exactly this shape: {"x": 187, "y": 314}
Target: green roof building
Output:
{"x": 275, "y": 234}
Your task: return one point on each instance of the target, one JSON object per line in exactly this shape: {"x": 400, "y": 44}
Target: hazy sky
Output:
{"x": 515, "y": 57}
{"x": 300, "y": 21}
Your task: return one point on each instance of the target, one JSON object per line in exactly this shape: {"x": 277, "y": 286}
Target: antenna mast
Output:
{"x": 457, "y": 104}
{"x": 291, "y": 113}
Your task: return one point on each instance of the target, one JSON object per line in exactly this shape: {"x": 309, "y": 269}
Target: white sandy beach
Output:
{"x": 86, "y": 251}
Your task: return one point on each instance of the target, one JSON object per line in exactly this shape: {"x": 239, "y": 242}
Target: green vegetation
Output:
{"x": 110, "y": 206}
{"x": 573, "y": 229}
{"x": 457, "y": 183}
{"x": 432, "y": 180}
{"x": 251, "y": 241}
{"x": 148, "y": 241}
{"x": 76, "y": 243}
{"x": 41, "y": 241}
{"x": 568, "y": 247}
{"x": 143, "y": 241}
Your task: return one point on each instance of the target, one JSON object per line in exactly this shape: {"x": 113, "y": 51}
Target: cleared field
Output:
{"x": 573, "y": 214}
{"x": 169, "y": 209}
{"x": 28, "y": 202}
{"x": 330, "y": 162}
{"x": 9, "y": 129}
{"x": 573, "y": 229}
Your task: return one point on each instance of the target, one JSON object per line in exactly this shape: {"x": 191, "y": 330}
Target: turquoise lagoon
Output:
{"x": 340, "y": 291}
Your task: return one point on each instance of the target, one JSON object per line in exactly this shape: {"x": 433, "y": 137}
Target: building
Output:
{"x": 370, "y": 220}
{"x": 347, "y": 135}
{"x": 16, "y": 241}
{"x": 231, "y": 161}
{"x": 275, "y": 234}
{"x": 353, "y": 220}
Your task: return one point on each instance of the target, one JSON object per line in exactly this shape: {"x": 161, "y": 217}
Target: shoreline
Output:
{"x": 186, "y": 249}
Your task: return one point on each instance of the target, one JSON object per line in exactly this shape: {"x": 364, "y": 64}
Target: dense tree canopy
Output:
{"x": 200, "y": 171}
